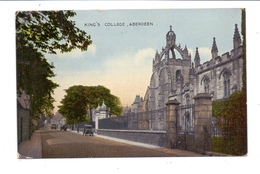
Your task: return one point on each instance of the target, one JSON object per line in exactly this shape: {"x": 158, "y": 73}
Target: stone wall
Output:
{"x": 23, "y": 125}
{"x": 157, "y": 138}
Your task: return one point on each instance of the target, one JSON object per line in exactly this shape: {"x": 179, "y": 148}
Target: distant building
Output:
{"x": 100, "y": 112}
{"x": 58, "y": 119}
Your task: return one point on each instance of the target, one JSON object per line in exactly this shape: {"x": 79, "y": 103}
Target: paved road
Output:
{"x": 60, "y": 144}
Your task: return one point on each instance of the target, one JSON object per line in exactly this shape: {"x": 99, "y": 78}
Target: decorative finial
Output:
{"x": 170, "y": 28}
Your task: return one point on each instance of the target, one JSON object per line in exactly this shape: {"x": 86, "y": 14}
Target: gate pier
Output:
{"x": 192, "y": 132}
{"x": 203, "y": 112}
{"x": 171, "y": 123}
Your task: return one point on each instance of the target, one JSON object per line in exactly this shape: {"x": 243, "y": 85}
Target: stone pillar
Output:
{"x": 171, "y": 123}
{"x": 96, "y": 123}
{"x": 203, "y": 112}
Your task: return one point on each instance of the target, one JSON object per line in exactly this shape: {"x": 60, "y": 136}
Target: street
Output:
{"x": 67, "y": 144}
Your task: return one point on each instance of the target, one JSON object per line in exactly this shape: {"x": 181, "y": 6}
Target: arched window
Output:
{"x": 226, "y": 76}
{"x": 187, "y": 98}
{"x": 206, "y": 85}
{"x": 178, "y": 76}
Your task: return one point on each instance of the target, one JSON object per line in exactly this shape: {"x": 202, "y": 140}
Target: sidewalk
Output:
{"x": 31, "y": 148}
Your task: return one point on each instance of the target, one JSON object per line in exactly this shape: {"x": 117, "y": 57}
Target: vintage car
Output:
{"x": 53, "y": 126}
{"x": 88, "y": 130}
{"x": 64, "y": 127}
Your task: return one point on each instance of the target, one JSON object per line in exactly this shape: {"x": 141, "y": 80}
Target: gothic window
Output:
{"x": 206, "y": 85}
{"x": 187, "y": 97}
{"x": 226, "y": 76}
{"x": 178, "y": 76}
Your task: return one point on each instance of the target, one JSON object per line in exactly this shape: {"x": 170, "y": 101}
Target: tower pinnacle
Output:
{"x": 214, "y": 49}
{"x": 197, "y": 58}
{"x": 236, "y": 38}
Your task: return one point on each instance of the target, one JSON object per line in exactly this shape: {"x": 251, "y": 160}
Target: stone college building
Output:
{"x": 182, "y": 78}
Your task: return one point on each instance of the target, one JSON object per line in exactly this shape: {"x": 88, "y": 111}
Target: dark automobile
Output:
{"x": 64, "y": 127}
{"x": 53, "y": 126}
{"x": 88, "y": 130}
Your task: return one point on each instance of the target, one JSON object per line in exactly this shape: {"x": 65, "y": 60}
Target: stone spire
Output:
{"x": 214, "y": 49}
{"x": 157, "y": 57}
{"x": 185, "y": 50}
{"x": 192, "y": 70}
{"x": 197, "y": 58}
{"x": 236, "y": 38}
{"x": 103, "y": 106}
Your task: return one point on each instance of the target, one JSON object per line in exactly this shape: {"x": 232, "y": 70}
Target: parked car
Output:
{"x": 88, "y": 130}
{"x": 64, "y": 127}
{"x": 53, "y": 126}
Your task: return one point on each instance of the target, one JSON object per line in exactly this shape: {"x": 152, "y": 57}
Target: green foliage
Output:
{"x": 234, "y": 126}
{"x": 74, "y": 106}
{"x": 49, "y": 31}
{"x": 39, "y": 32}
{"x": 80, "y": 98}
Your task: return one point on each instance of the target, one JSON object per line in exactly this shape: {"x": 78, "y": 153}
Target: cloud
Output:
{"x": 204, "y": 52}
{"x": 130, "y": 62}
{"x": 142, "y": 55}
{"x": 77, "y": 53}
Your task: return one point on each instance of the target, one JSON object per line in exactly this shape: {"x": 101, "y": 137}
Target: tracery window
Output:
{"x": 187, "y": 97}
{"x": 226, "y": 76}
{"x": 206, "y": 85}
{"x": 178, "y": 76}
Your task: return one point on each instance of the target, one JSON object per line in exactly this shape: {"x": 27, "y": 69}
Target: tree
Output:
{"x": 39, "y": 32}
{"x": 96, "y": 95}
{"x": 74, "y": 106}
{"x": 79, "y": 99}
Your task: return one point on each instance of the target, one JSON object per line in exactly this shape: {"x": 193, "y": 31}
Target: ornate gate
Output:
{"x": 185, "y": 119}
{"x": 185, "y": 127}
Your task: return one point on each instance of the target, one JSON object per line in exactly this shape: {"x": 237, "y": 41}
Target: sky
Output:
{"x": 120, "y": 57}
